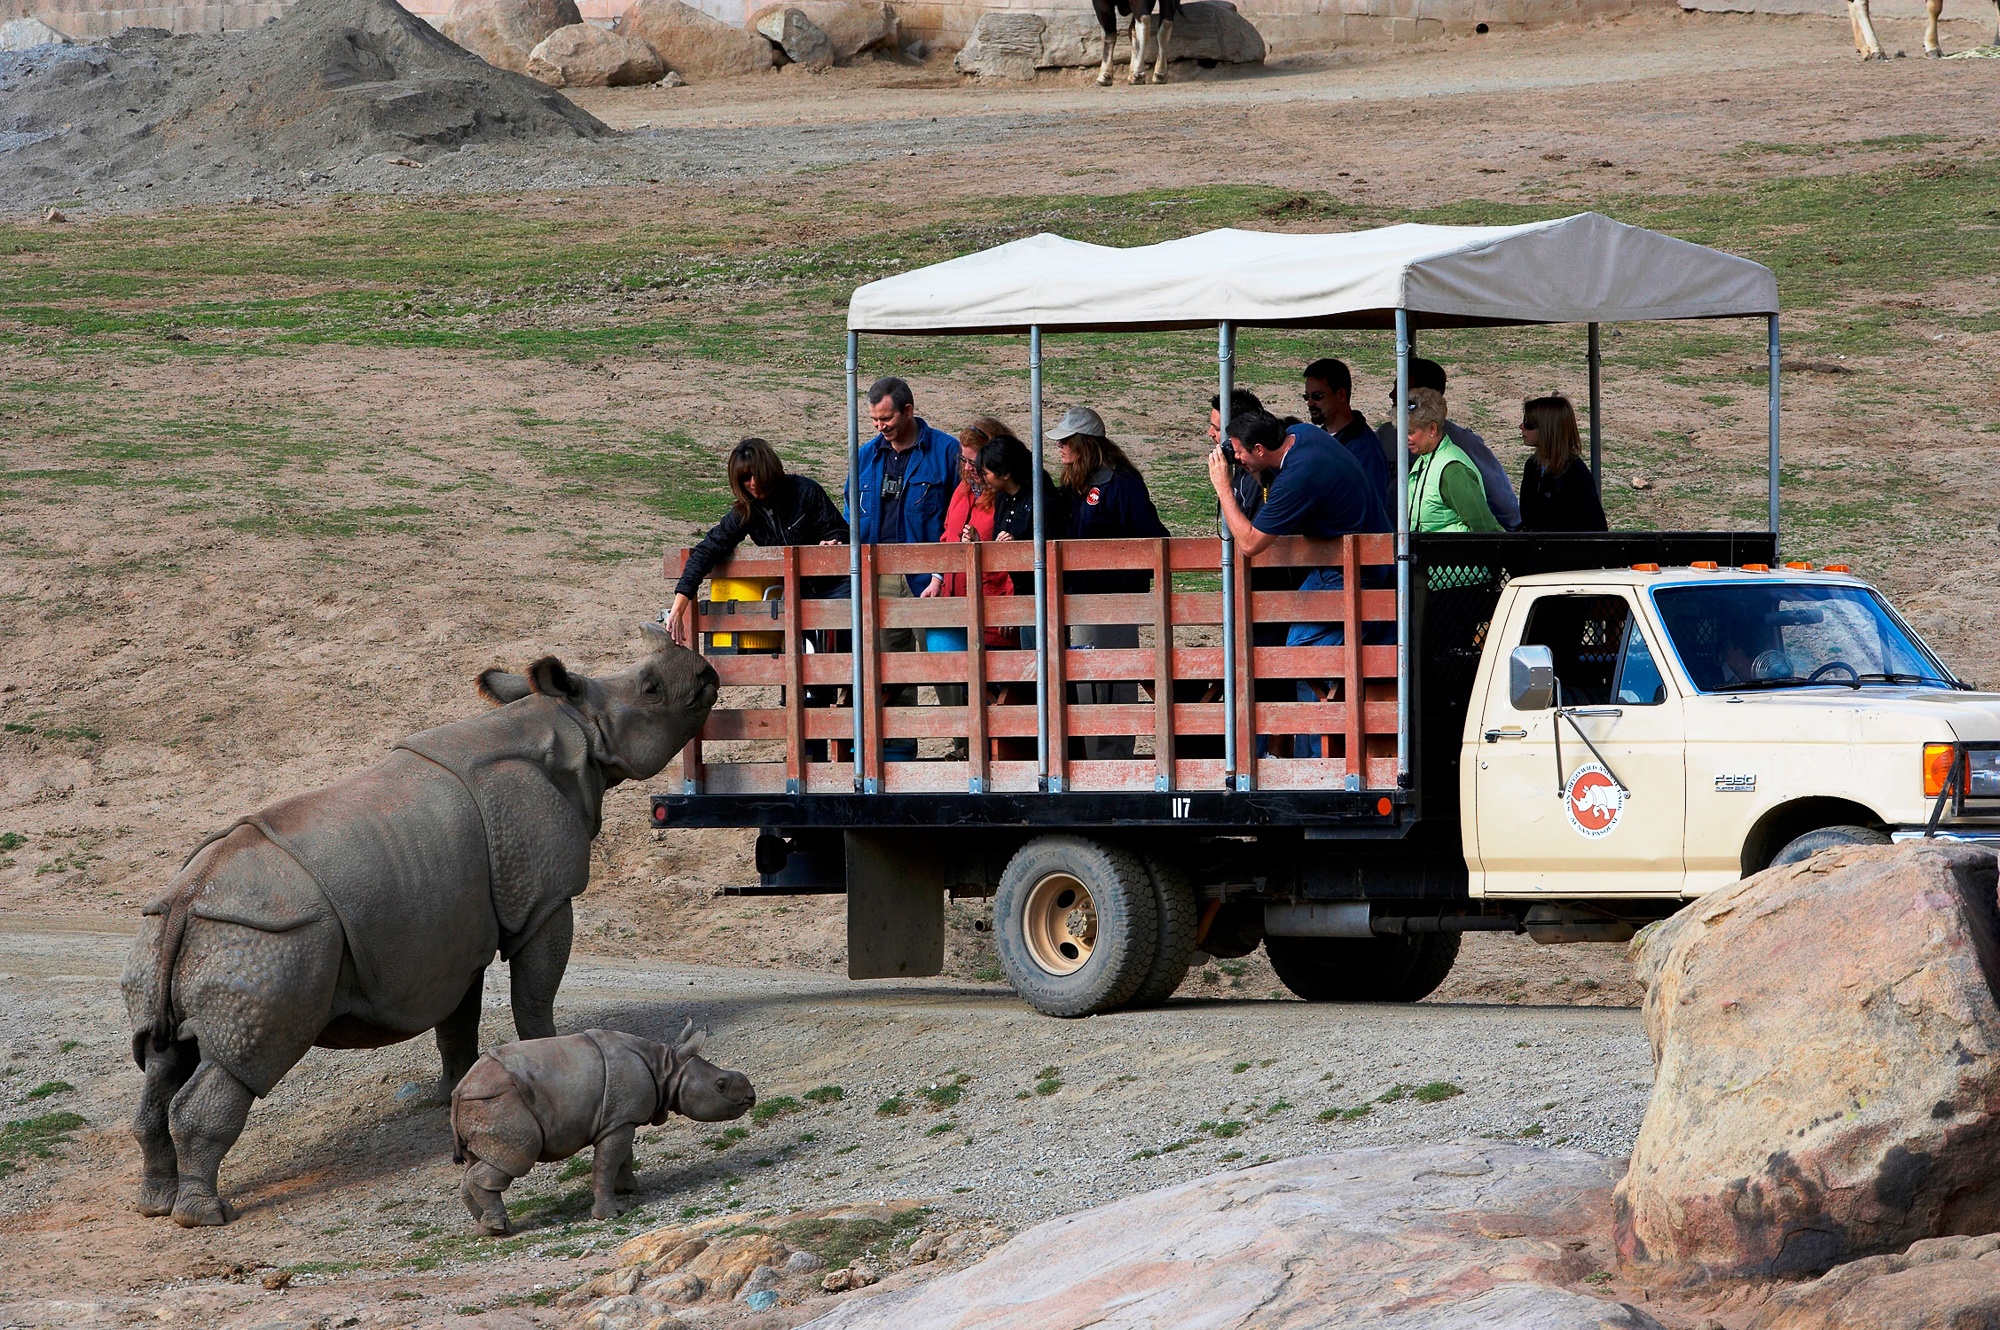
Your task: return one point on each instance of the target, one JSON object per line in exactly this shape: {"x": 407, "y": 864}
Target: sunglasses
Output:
{"x": 1317, "y": 397}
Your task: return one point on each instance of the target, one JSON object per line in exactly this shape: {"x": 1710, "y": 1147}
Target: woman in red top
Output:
{"x": 969, "y": 515}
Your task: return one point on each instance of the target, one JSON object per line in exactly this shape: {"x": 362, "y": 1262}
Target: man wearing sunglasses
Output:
{"x": 1329, "y": 393}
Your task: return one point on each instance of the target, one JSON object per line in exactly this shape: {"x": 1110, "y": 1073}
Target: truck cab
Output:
{"x": 1661, "y": 732}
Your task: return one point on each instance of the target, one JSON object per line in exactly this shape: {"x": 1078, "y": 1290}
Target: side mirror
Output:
{"x": 1531, "y": 678}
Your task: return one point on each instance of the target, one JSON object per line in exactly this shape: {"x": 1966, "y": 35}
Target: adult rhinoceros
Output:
{"x": 366, "y": 913}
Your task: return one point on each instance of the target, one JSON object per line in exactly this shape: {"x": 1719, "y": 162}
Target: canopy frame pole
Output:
{"x": 1042, "y": 779}
{"x": 1403, "y": 347}
{"x": 1225, "y": 359}
{"x": 1596, "y": 357}
{"x": 1772, "y": 482}
{"x": 856, "y": 646}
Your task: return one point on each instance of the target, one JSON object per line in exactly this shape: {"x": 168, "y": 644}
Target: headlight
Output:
{"x": 1980, "y": 777}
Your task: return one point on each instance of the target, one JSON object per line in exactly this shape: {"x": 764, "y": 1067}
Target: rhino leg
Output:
{"x": 481, "y": 1193}
{"x": 458, "y": 1036}
{"x": 206, "y": 1117}
{"x": 536, "y": 971}
{"x": 167, "y": 1070}
{"x": 610, "y": 1162}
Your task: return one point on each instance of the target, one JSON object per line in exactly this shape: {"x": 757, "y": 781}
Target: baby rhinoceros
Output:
{"x": 541, "y": 1100}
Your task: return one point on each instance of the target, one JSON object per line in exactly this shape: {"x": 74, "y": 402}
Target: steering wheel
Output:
{"x": 1853, "y": 675}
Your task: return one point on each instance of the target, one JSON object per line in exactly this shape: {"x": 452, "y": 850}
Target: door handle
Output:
{"x": 1510, "y": 732}
{"x": 1593, "y": 711}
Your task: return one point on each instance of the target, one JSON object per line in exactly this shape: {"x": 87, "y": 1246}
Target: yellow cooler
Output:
{"x": 736, "y": 596}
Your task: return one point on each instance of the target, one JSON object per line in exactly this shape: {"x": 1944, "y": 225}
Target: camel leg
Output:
{"x": 1111, "y": 47}
{"x": 1864, "y": 31}
{"x": 1142, "y": 37}
{"x": 611, "y": 1159}
{"x": 535, "y": 973}
{"x": 206, "y": 1117}
{"x": 458, "y": 1036}
{"x": 166, "y": 1072}
{"x": 481, "y": 1193}
{"x": 1931, "y": 48}
{"x": 1166, "y": 27}
{"x": 1996, "y": 22}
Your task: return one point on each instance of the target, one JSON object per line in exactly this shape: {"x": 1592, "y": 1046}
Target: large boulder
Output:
{"x": 1825, "y": 1036}
{"x": 25, "y": 34}
{"x": 1445, "y": 1237}
{"x": 584, "y": 55}
{"x": 1014, "y": 43}
{"x": 851, "y": 26}
{"x": 1938, "y": 1284}
{"x": 504, "y": 33}
{"x": 694, "y": 45}
{"x": 802, "y": 40}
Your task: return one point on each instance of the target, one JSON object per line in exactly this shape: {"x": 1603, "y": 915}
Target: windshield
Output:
{"x": 1738, "y": 637}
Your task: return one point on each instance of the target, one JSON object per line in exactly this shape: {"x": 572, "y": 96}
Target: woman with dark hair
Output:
{"x": 1558, "y": 493}
{"x": 1008, "y": 466}
{"x": 1106, "y": 499}
{"x": 771, "y": 508}
{"x": 969, "y": 515}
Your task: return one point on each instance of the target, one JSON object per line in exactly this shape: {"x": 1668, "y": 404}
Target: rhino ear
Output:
{"x": 689, "y": 1044}
{"x": 549, "y": 677}
{"x": 500, "y": 687}
{"x": 656, "y": 634}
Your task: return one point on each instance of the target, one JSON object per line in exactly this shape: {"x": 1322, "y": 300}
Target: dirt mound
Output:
{"x": 328, "y": 85}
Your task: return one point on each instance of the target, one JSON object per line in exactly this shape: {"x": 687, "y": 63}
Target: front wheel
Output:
{"x": 1076, "y": 924}
{"x": 1379, "y": 969}
{"x": 1802, "y": 848}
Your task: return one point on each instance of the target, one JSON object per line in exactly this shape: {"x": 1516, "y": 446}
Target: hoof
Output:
{"x": 1104, "y": 80}
{"x": 156, "y": 1196}
{"x": 609, "y": 1208}
{"x": 489, "y": 1227}
{"x": 1935, "y": 53}
{"x": 201, "y": 1211}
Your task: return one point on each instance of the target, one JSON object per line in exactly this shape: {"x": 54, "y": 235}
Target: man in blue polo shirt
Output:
{"x": 907, "y": 473}
{"x": 1329, "y": 401}
{"x": 1314, "y": 489}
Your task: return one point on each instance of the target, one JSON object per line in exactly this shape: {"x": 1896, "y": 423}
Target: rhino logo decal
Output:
{"x": 1593, "y": 801}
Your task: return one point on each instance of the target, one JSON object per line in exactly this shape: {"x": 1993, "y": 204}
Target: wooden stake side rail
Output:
{"x": 1354, "y": 712}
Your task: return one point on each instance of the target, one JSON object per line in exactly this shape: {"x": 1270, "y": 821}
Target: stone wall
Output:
{"x": 1287, "y": 25}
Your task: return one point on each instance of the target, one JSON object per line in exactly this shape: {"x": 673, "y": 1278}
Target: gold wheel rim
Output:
{"x": 1061, "y": 924}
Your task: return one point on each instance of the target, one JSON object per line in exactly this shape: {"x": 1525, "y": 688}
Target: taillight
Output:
{"x": 1937, "y": 767}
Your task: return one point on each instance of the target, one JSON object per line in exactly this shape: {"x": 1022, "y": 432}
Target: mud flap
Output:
{"x": 896, "y": 882}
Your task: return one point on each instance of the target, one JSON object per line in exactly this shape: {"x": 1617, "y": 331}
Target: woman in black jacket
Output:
{"x": 1558, "y": 493}
{"x": 771, "y": 508}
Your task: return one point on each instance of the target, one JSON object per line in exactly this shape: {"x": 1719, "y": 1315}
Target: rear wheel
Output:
{"x": 1805, "y": 847}
{"x": 1380, "y": 969}
{"x": 1076, "y": 924}
{"x": 1179, "y": 919}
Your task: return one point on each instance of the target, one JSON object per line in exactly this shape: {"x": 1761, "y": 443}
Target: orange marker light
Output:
{"x": 1645, "y": 568}
{"x": 1838, "y": 568}
{"x": 1937, "y": 765}
{"x": 1383, "y": 805}
{"x": 1705, "y": 565}
{"x": 1799, "y": 566}
{"x": 1756, "y": 567}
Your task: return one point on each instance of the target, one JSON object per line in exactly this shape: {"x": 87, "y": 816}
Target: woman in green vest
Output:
{"x": 1446, "y": 493}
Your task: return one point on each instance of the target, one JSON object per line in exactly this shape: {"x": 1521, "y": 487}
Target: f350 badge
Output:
{"x": 1593, "y": 801}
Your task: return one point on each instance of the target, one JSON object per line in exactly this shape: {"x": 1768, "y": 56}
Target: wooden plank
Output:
{"x": 1197, "y": 718}
{"x": 870, "y": 647}
{"x": 1163, "y": 668}
{"x": 762, "y": 723}
{"x": 1106, "y": 608}
{"x": 1198, "y": 773}
{"x": 1055, "y": 634}
{"x": 975, "y": 663}
{"x": 1350, "y": 679}
{"x": 748, "y": 671}
{"x": 1107, "y": 665}
{"x": 1014, "y": 777}
{"x": 1246, "y": 677}
{"x": 1119, "y": 718}
{"x": 923, "y": 722}
{"x": 1099, "y": 775}
{"x": 925, "y": 777}
{"x": 795, "y": 680}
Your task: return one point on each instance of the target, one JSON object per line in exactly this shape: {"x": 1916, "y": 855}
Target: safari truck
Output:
{"x": 1558, "y": 735}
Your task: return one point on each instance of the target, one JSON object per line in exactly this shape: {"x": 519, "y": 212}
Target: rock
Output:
{"x": 851, "y": 26}
{"x": 836, "y": 1281}
{"x": 584, "y": 55}
{"x": 673, "y": 80}
{"x": 763, "y": 1277}
{"x": 277, "y": 1280}
{"x": 627, "y": 1313}
{"x": 727, "y": 1264}
{"x": 1826, "y": 1037}
{"x": 861, "y": 1275}
{"x": 762, "y": 1300}
{"x": 1445, "y": 1237}
{"x": 925, "y": 1248}
{"x": 682, "y": 1286}
{"x": 1940, "y": 1282}
{"x": 676, "y": 1256}
{"x": 798, "y": 37}
{"x": 25, "y": 34}
{"x": 54, "y": 217}
{"x": 1013, "y": 44}
{"x": 691, "y": 43}
{"x": 803, "y": 1263}
{"x": 504, "y": 33}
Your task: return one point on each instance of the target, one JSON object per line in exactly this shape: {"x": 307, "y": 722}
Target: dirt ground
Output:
{"x": 234, "y": 566}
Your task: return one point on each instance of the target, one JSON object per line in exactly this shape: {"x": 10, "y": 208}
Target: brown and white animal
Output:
{"x": 1871, "y": 49}
{"x": 366, "y": 913}
{"x": 1148, "y": 28}
{"x": 541, "y": 1100}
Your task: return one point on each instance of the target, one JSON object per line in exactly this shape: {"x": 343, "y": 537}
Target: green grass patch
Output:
{"x": 839, "y": 1242}
{"x": 825, "y": 1094}
{"x": 770, "y": 1110}
{"x": 892, "y": 1107}
{"x": 36, "y": 1138}
{"x": 945, "y": 1094}
{"x": 48, "y": 1088}
{"x": 725, "y": 1138}
{"x": 1435, "y": 1092}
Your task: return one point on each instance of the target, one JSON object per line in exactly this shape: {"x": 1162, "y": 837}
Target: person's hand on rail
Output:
{"x": 680, "y": 620}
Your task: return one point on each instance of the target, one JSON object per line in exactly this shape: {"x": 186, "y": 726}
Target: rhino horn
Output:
{"x": 499, "y": 687}
{"x": 551, "y": 678}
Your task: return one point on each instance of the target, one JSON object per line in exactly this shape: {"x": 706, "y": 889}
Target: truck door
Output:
{"x": 1574, "y": 831}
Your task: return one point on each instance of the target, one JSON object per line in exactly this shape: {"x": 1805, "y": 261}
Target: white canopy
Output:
{"x": 1581, "y": 269}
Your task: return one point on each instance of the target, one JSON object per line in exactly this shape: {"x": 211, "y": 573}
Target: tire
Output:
{"x": 1802, "y": 848}
{"x": 1179, "y": 918}
{"x": 1076, "y": 924}
{"x": 1381, "y": 969}
{"x": 1236, "y": 929}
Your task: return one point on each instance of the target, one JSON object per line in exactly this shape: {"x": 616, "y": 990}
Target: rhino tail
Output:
{"x": 159, "y": 1033}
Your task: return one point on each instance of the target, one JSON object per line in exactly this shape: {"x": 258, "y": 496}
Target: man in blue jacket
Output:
{"x": 907, "y": 474}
